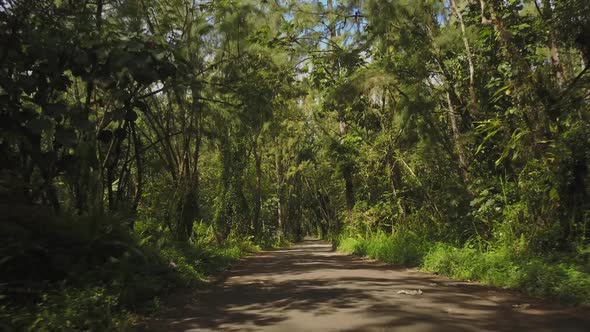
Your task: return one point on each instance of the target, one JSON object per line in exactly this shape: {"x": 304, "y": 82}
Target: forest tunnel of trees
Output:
{"x": 164, "y": 128}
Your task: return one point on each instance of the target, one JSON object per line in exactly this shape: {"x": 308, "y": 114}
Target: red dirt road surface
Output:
{"x": 309, "y": 287}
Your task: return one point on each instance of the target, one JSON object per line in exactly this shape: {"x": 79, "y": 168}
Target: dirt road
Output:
{"x": 308, "y": 287}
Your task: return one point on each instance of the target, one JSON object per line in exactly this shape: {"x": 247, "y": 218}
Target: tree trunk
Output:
{"x": 139, "y": 166}
{"x": 258, "y": 189}
{"x": 394, "y": 182}
{"x": 347, "y": 175}
{"x": 457, "y": 139}
{"x": 343, "y": 126}
{"x": 279, "y": 192}
{"x": 472, "y": 93}
{"x": 196, "y": 183}
{"x": 547, "y": 14}
{"x": 349, "y": 192}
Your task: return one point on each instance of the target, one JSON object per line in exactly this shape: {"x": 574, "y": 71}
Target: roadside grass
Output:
{"x": 560, "y": 277}
{"x": 96, "y": 275}
{"x": 400, "y": 248}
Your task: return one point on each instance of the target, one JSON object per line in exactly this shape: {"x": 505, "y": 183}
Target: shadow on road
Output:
{"x": 310, "y": 287}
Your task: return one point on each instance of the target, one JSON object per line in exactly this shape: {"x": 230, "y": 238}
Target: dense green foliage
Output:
{"x": 145, "y": 142}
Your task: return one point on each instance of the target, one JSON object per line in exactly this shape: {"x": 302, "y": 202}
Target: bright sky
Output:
{"x": 325, "y": 2}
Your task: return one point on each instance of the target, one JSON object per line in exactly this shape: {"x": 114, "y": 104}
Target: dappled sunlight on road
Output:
{"x": 309, "y": 287}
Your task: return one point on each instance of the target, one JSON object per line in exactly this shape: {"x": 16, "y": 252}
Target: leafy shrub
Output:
{"x": 91, "y": 309}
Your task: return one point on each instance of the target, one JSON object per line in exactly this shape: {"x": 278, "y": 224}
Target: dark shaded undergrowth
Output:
{"x": 94, "y": 273}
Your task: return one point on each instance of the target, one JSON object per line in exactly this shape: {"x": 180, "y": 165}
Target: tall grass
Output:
{"x": 561, "y": 278}
{"x": 400, "y": 248}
